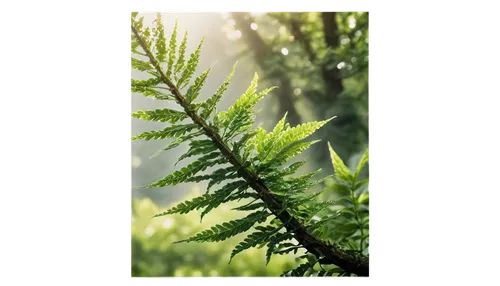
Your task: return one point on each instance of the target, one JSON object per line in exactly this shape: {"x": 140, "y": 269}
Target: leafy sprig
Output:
{"x": 250, "y": 165}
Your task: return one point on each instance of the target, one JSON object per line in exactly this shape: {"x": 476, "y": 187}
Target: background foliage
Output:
{"x": 320, "y": 73}
{"x": 154, "y": 254}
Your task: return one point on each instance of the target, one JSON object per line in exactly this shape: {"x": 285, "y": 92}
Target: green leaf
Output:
{"x": 362, "y": 183}
{"x": 347, "y": 229}
{"x": 228, "y": 229}
{"x": 194, "y": 90}
{"x": 244, "y": 104}
{"x": 341, "y": 189}
{"x": 160, "y": 115}
{"x": 338, "y": 165}
{"x": 262, "y": 235}
{"x": 271, "y": 246}
{"x": 221, "y": 175}
{"x": 160, "y": 40}
{"x": 287, "y": 247}
{"x": 133, "y": 14}
{"x": 183, "y": 174}
{"x": 240, "y": 116}
{"x": 146, "y": 84}
{"x": 210, "y": 104}
{"x": 299, "y": 271}
{"x": 182, "y": 52}
{"x": 265, "y": 145}
{"x": 364, "y": 198}
{"x": 251, "y": 145}
{"x": 146, "y": 87}
{"x": 240, "y": 143}
{"x": 221, "y": 195}
{"x": 138, "y": 24}
{"x": 290, "y": 151}
{"x": 250, "y": 206}
{"x": 292, "y": 186}
{"x": 289, "y": 170}
{"x": 169, "y": 132}
{"x": 187, "y": 206}
{"x": 362, "y": 163}
{"x": 344, "y": 201}
{"x": 191, "y": 66}
{"x": 178, "y": 141}
{"x": 316, "y": 207}
{"x": 146, "y": 34}
{"x": 198, "y": 147}
{"x": 139, "y": 64}
{"x": 295, "y": 134}
{"x": 172, "y": 50}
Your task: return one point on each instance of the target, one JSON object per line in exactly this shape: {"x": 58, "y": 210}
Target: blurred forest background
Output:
{"x": 319, "y": 61}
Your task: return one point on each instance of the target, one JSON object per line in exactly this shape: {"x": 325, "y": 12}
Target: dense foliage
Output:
{"x": 252, "y": 168}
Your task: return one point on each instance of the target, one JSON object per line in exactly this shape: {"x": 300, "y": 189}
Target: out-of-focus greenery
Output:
{"x": 154, "y": 254}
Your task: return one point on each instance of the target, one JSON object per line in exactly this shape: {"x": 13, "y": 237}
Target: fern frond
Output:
{"x": 221, "y": 175}
{"x": 194, "y": 90}
{"x": 242, "y": 109}
{"x": 240, "y": 116}
{"x": 238, "y": 145}
{"x": 191, "y": 65}
{"x": 179, "y": 141}
{"x": 141, "y": 85}
{"x": 198, "y": 147}
{"x": 169, "y": 132}
{"x": 222, "y": 195}
{"x": 160, "y": 40}
{"x": 299, "y": 271}
{"x": 288, "y": 153}
{"x": 262, "y": 235}
{"x": 210, "y": 104}
{"x": 268, "y": 141}
{"x": 275, "y": 241}
{"x": 147, "y": 88}
{"x": 338, "y": 165}
{"x": 141, "y": 65}
{"x": 285, "y": 248}
{"x": 172, "y": 50}
{"x": 362, "y": 162}
{"x": 317, "y": 207}
{"x": 183, "y": 174}
{"x": 286, "y": 171}
{"x": 250, "y": 206}
{"x": 147, "y": 36}
{"x": 160, "y": 115}
{"x": 188, "y": 206}
{"x": 360, "y": 185}
{"x": 250, "y": 163}
{"x": 182, "y": 52}
{"x": 297, "y": 133}
{"x": 294, "y": 185}
{"x": 228, "y": 229}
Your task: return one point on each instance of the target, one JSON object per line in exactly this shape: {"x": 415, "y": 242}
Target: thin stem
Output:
{"x": 356, "y": 212}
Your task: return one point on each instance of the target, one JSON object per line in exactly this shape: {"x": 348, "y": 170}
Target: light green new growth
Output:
{"x": 248, "y": 165}
{"x": 172, "y": 50}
